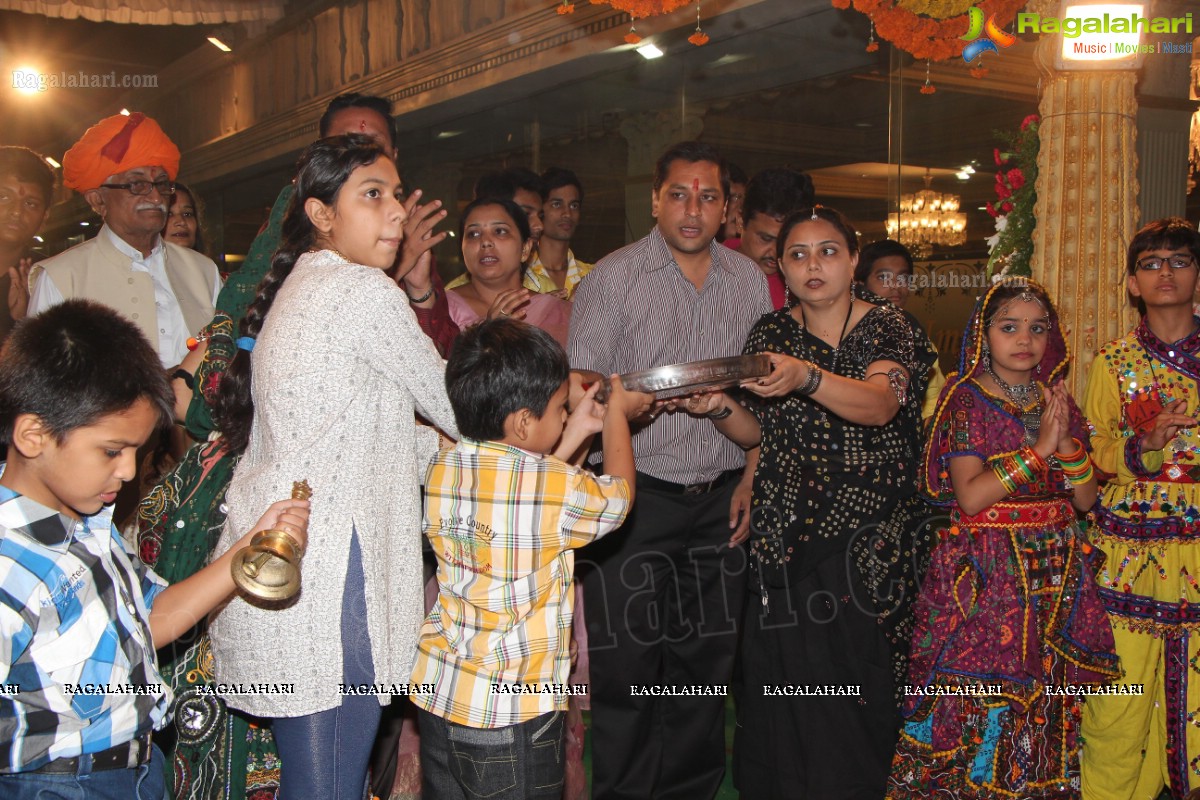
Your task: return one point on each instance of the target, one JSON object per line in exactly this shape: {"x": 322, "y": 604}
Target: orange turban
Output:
{"x": 117, "y": 144}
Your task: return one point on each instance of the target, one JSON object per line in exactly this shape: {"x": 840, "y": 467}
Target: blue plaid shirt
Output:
{"x": 77, "y": 665}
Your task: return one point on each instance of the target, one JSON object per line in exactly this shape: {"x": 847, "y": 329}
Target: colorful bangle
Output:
{"x": 1019, "y": 468}
{"x": 1005, "y": 479}
{"x": 1078, "y": 479}
{"x": 1078, "y": 457}
{"x": 1078, "y": 472}
{"x": 1033, "y": 461}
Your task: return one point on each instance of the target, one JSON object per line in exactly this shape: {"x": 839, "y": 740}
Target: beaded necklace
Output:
{"x": 1022, "y": 395}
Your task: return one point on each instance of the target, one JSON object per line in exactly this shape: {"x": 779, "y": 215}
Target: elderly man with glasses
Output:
{"x": 125, "y": 167}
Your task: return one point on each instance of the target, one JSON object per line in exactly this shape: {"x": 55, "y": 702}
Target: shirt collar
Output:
{"x": 536, "y": 261}
{"x": 44, "y": 525}
{"x": 496, "y": 448}
{"x": 129, "y": 250}
{"x": 661, "y": 256}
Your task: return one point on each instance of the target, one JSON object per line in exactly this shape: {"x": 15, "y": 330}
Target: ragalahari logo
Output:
{"x": 983, "y": 37}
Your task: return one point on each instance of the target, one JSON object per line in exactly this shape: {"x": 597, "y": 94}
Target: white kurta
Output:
{"x": 338, "y": 370}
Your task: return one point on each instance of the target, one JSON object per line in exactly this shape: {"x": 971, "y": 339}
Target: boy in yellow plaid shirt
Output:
{"x": 504, "y": 512}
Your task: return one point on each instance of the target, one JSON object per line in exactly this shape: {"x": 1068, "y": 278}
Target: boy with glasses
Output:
{"x": 1142, "y": 399}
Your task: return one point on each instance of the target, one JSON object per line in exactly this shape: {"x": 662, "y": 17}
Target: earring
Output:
{"x": 985, "y": 360}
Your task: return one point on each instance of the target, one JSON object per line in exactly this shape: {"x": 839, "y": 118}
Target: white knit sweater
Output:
{"x": 338, "y": 369}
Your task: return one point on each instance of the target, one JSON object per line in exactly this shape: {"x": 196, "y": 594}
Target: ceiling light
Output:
{"x": 730, "y": 58}
{"x": 1094, "y": 45}
{"x": 963, "y": 175}
{"x": 25, "y": 80}
{"x": 85, "y": 224}
{"x": 124, "y": 112}
{"x": 217, "y": 43}
{"x": 928, "y": 218}
{"x": 52, "y": 162}
{"x": 649, "y": 51}
{"x": 39, "y": 239}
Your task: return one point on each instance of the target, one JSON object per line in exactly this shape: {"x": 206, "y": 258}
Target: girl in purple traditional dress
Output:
{"x": 1009, "y": 627}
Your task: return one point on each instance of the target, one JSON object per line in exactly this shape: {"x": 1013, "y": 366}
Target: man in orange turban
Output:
{"x": 125, "y": 167}
{"x": 117, "y": 144}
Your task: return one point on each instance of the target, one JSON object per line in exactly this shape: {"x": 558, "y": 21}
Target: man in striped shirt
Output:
{"x": 665, "y": 592}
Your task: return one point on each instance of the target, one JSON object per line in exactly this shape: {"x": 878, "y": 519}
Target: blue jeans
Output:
{"x": 325, "y": 755}
{"x": 140, "y": 783}
{"x": 520, "y": 761}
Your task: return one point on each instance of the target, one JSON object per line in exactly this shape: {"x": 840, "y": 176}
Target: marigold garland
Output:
{"x": 932, "y": 35}
{"x": 640, "y": 9}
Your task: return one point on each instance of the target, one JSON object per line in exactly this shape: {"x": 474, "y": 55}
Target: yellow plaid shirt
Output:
{"x": 504, "y": 524}
{"x": 537, "y": 279}
{"x": 538, "y": 274}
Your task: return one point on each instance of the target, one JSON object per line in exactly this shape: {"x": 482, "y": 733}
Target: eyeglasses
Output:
{"x": 140, "y": 188}
{"x": 1154, "y": 263}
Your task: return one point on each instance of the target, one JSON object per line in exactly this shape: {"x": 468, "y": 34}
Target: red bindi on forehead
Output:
{"x": 695, "y": 184}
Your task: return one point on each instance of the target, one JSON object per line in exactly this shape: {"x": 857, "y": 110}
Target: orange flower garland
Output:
{"x": 926, "y": 37}
{"x": 640, "y": 9}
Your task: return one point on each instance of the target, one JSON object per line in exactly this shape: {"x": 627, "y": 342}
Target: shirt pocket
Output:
{"x": 81, "y": 660}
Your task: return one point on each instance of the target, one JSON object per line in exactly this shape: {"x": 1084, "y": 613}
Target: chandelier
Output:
{"x": 928, "y": 219}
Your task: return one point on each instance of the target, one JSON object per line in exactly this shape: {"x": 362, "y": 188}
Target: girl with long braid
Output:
{"x": 330, "y": 369}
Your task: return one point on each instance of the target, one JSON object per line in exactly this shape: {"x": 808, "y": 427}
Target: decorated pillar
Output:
{"x": 1087, "y": 203}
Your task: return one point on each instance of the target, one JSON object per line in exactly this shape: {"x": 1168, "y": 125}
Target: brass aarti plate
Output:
{"x": 674, "y": 380}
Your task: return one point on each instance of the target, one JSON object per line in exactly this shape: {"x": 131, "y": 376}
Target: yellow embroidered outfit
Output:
{"x": 1149, "y": 521}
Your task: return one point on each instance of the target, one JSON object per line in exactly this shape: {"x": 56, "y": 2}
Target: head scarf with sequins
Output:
{"x": 971, "y": 365}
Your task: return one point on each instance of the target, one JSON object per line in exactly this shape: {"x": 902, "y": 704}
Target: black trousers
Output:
{"x": 796, "y": 739}
{"x": 663, "y": 599}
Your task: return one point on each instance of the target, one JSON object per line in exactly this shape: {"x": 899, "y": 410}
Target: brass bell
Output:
{"x": 269, "y": 568}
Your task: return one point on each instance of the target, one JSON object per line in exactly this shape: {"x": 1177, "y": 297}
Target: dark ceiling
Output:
{"x": 68, "y": 47}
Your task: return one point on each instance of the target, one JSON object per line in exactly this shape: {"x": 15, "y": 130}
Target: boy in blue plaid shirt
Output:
{"x": 80, "y": 617}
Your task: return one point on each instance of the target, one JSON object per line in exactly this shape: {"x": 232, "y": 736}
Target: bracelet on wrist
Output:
{"x": 422, "y": 298}
{"x": 724, "y": 413}
{"x": 1077, "y": 457}
{"x": 185, "y": 376}
{"x": 812, "y": 381}
{"x": 1019, "y": 468}
{"x": 1080, "y": 478}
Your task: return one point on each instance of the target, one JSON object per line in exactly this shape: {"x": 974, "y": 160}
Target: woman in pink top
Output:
{"x": 495, "y": 245}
